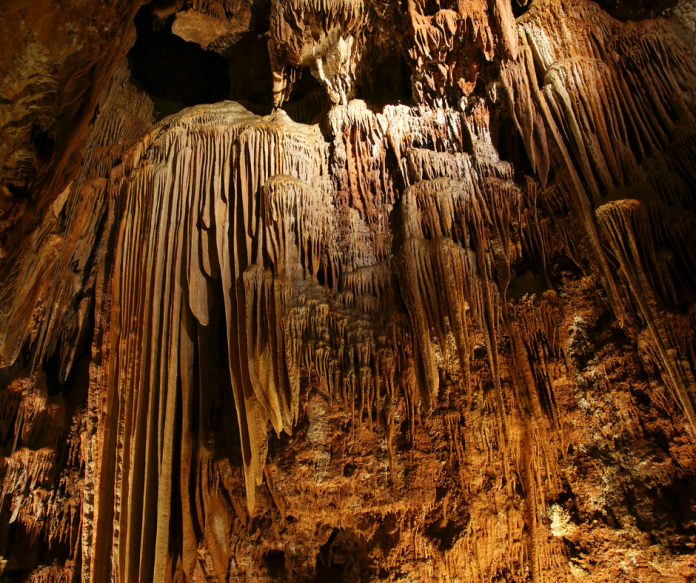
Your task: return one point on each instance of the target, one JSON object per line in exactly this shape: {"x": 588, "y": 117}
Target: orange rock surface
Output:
{"x": 417, "y": 303}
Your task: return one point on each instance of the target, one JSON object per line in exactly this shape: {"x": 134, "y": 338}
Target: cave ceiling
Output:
{"x": 348, "y": 290}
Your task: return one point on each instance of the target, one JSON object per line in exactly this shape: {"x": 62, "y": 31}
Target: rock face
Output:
{"x": 418, "y": 304}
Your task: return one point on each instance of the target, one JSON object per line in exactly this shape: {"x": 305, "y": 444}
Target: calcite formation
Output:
{"x": 417, "y": 304}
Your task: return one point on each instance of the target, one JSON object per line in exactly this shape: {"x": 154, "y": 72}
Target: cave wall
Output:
{"x": 416, "y": 304}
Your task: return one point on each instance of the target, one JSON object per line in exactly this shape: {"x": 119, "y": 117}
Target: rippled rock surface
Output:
{"x": 416, "y": 303}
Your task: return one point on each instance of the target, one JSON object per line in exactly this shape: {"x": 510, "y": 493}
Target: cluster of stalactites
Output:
{"x": 454, "y": 240}
{"x": 625, "y": 226}
{"x": 193, "y": 224}
{"x": 53, "y": 314}
{"x": 325, "y": 35}
{"x": 444, "y": 44}
{"x": 299, "y": 226}
{"x": 218, "y": 199}
{"x": 426, "y": 144}
{"x": 282, "y": 302}
{"x": 38, "y": 498}
{"x": 618, "y": 103}
{"x": 619, "y": 93}
{"x": 448, "y": 43}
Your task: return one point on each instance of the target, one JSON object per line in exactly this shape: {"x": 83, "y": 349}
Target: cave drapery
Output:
{"x": 414, "y": 301}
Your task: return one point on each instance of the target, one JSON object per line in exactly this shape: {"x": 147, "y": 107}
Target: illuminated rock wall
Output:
{"x": 447, "y": 336}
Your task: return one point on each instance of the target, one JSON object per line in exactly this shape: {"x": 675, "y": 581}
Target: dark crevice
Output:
{"x": 42, "y": 142}
{"x": 328, "y": 569}
{"x": 18, "y": 190}
{"x": 387, "y": 81}
{"x": 636, "y": 9}
{"x": 175, "y": 73}
{"x": 519, "y": 7}
{"x": 275, "y": 563}
{"x": 251, "y": 79}
{"x": 51, "y": 369}
{"x": 305, "y": 84}
{"x": 308, "y": 101}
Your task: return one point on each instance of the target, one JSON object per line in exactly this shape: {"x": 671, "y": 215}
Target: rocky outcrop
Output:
{"x": 443, "y": 333}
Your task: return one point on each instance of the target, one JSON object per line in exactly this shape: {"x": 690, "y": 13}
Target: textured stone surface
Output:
{"x": 429, "y": 318}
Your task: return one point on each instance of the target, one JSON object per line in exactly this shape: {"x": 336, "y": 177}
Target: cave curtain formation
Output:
{"x": 414, "y": 301}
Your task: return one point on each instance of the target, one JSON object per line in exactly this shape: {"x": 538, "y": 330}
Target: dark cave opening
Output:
{"x": 328, "y": 569}
{"x": 636, "y": 10}
{"x": 345, "y": 556}
{"x": 175, "y": 73}
{"x": 250, "y": 70}
{"x": 251, "y": 79}
{"x": 305, "y": 84}
{"x": 43, "y": 143}
{"x": 388, "y": 80}
{"x": 178, "y": 74}
{"x": 308, "y": 100}
{"x": 275, "y": 563}
{"x": 519, "y": 7}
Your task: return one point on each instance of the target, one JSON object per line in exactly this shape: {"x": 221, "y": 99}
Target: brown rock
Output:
{"x": 443, "y": 333}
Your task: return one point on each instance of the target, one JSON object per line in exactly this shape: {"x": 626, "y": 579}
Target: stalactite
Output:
{"x": 446, "y": 333}
{"x": 626, "y": 227}
{"x": 325, "y": 36}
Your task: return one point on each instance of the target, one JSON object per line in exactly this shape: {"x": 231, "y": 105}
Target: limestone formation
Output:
{"x": 418, "y": 303}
